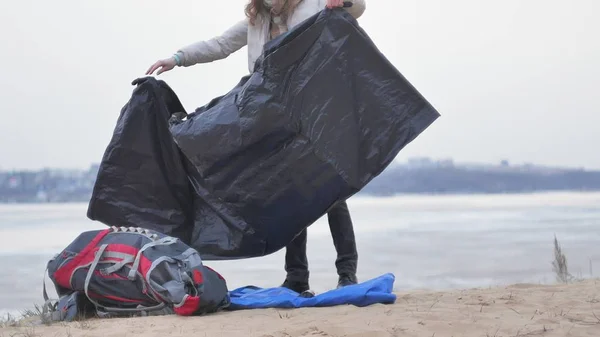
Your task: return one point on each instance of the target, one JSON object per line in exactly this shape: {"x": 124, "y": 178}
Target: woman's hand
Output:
{"x": 164, "y": 65}
{"x": 335, "y": 3}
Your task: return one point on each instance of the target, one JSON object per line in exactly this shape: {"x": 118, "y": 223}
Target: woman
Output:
{"x": 265, "y": 20}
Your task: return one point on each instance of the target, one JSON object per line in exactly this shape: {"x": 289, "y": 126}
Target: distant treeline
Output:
{"x": 420, "y": 177}
{"x": 459, "y": 180}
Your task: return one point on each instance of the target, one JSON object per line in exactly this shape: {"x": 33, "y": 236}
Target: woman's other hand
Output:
{"x": 335, "y": 3}
{"x": 164, "y": 65}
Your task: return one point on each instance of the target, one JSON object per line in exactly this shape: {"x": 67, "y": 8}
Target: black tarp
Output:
{"x": 322, "y": 115}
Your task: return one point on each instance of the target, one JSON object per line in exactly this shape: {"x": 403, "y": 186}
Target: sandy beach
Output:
{"x": 516, "y": 310}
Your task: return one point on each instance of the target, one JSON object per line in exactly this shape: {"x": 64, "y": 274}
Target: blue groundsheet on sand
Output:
{"x": 377, "y": 290}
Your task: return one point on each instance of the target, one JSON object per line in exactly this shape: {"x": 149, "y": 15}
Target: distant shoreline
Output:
{"x": 417, "y": 177}
{"x": 414, "y": 197}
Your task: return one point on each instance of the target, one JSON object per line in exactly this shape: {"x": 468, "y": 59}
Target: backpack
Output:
{"x": 128, "y": 270}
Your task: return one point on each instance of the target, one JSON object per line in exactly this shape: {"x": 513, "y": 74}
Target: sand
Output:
{"x": 517, "y": 310}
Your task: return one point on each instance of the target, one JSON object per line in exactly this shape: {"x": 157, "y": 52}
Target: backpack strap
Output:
{"x": 44, "y": 292}
{"x": 168, "y": 240}
{"x": 88, "y": 278}
{"x": 125, "y": 259}
{"x": 50, "y": 308}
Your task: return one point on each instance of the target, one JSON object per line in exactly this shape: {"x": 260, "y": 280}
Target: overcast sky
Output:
{"x": 513, "y": 79}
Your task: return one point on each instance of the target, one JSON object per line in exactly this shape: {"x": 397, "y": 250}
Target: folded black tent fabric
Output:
{"x": 322, "y": 115}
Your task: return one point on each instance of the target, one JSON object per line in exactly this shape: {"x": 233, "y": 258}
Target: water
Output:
{"x": 439, "y": 242}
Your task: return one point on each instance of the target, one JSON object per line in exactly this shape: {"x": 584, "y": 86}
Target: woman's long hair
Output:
{"x": 280, "y": 7}
{"x": 253, "y": 8}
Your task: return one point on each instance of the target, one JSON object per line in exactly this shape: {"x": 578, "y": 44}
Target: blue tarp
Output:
{"x": 377, "y": 290}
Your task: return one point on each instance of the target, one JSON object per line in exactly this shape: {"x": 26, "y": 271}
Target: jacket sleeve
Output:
{"x": 217, "y": 48}
{"x": 358, "y": 8}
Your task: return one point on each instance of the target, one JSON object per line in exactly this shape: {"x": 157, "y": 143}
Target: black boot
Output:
{"x": 346, "y": 280}
{"x": 298, "y": 287}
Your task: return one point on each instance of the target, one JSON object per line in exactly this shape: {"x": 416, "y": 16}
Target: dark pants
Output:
{"x": 342, "y": 232}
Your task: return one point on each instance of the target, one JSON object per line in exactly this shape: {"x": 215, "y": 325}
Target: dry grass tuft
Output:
{"x": 9, "y": 321}
{"x": 559, "y": 265}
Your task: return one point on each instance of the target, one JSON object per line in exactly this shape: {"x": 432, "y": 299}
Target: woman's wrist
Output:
{"x": 177, "y": 59}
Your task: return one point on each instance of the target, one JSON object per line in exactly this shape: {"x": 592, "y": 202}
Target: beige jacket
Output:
{"x": 254, "y": 36}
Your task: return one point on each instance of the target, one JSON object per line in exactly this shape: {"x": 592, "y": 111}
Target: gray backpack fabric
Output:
{"x": 129, "y": 270}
